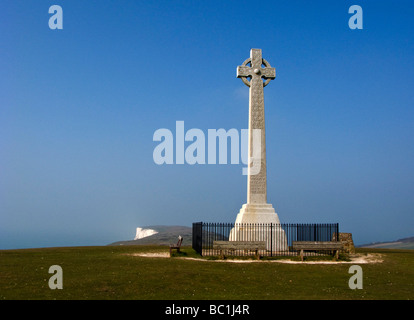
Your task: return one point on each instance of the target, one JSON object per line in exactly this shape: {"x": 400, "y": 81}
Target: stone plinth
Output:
{"x": 259, "y": 222}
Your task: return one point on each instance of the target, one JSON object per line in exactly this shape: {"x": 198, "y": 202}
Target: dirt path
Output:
{"x": 354, "y": 259}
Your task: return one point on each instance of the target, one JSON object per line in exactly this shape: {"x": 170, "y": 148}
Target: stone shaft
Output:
{"x": 256, "y": 178}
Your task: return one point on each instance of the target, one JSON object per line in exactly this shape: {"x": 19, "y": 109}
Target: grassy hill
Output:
{"x": 405, "y": 243}
{"x": 116, "y": 272}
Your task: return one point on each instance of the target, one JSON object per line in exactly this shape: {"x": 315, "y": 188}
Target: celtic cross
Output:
{"x": 256, "y": 68}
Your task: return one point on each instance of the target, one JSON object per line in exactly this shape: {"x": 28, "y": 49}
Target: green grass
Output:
{"x": 110, "y": 272}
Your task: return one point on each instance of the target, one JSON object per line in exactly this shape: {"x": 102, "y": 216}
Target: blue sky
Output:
{"x": 79, "y": 107}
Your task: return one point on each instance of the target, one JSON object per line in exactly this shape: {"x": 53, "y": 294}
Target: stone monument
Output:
{"x": 257, "y": 211}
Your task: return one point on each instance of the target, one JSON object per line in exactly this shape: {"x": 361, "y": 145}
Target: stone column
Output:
{"x": 257, "y": 210}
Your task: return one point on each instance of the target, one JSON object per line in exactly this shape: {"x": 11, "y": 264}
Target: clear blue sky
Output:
{"x": 79, "y": 106}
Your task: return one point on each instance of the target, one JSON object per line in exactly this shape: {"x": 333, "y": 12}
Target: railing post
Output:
{"x": 271, "y": 239}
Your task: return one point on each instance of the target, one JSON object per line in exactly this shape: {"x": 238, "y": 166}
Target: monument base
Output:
{"x": 259, "y": 222}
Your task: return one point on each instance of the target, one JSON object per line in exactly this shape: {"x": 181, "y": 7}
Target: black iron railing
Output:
{"x": 277, "y": 237}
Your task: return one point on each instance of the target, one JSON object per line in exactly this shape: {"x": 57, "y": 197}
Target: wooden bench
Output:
{"x": 239, "y": 245}
{"x": 317, "y": 246}
{"x": 176, "y": 246}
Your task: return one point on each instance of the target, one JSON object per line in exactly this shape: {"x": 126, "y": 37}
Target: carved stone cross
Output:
{"x": 256, "y": 73}
{"x": 256, "y": 68}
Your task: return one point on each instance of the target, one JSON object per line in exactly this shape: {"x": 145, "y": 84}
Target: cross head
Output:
{"x": 256, "y": 69}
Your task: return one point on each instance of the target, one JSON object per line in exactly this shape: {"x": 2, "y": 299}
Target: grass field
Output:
{"x": 112, "y": 272}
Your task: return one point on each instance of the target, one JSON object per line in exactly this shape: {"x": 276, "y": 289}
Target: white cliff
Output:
{"x": 143, "y": 233}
